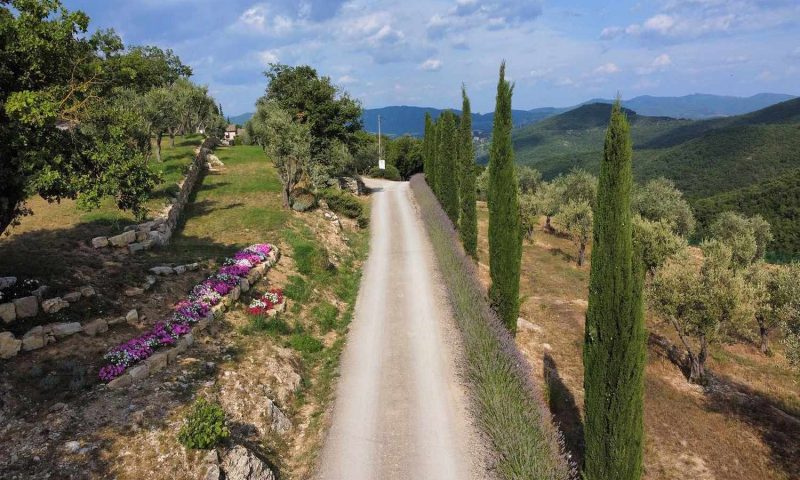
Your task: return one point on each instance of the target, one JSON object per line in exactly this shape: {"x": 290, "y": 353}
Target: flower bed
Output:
{"x": 195, "y": 309}
{"x": 267, "y": 303}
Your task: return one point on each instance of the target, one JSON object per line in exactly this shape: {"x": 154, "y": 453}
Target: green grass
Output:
{"x": 326, "y": 315}
{"x": 273, "y": 326}
{"x": 297, "y": 289}
{"x": 511, "y": 410}
{"x": 305, "y": 343}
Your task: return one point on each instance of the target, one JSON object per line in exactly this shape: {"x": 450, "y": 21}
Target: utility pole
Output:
{"x": 381, "y": 162}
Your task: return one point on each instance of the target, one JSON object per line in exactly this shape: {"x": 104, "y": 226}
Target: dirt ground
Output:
{"x": 744, "y": 425}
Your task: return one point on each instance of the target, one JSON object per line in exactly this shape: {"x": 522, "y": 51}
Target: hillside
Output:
{"x": 699, "y": 105}
{"x": 705, "y": 158}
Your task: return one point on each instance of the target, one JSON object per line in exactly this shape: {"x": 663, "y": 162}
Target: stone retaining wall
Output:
{"x": 159, "y": 230}
{"x": 159, "y": 360}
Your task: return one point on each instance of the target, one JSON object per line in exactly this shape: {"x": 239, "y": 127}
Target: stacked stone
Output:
{"x": 159, "y": 360}
{"x": 28, "y": 307}
{"x": 158, "y": 232}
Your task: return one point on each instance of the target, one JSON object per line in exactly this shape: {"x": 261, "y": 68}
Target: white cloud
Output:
{"x": 606, "y": 69}
{"x": 609, "y": 33}
{"x": 765, "y": 76}
{"x": 659, "y": 64}
{"x": 268, "y": 56}
{"x": 346, "y": 80}
{"x": 431, "y": 65}
{"x": 254, "y": 17}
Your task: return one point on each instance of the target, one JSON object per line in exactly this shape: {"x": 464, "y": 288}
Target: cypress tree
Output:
{"x": 435, "y": 128}
{"x": 426, "y": 148}
{"x": 505, "y": 234}
{"x": 468, "y": 221}
{"x": 614, "y": 343}
{"x": 448, "y": 166}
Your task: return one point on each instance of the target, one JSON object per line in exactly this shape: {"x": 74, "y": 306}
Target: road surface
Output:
{"x": 400, "y": 409}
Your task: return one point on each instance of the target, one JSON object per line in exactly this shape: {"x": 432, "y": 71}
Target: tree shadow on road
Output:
{"x": 564, "y": 409}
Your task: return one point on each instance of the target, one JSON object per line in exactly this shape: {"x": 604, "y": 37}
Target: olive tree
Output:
{"x": 702, "y": 299}
{"x": 655, "y": 242}
{"x": 659, "y": 200}
{"x": 548, "y": 199}
{"x": 529, "y": 179}
{"x": 747, "y": 237}
{"x": 776, "y": 297}
{"x": 287, "y": 142}
{"x": 528, "y": 214}
{"x": 575, "y": 218}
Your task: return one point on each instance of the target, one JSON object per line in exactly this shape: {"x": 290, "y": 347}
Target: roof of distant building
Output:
{"x": 230, "y": 128}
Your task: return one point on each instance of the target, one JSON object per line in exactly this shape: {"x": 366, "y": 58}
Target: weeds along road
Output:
{"x": 400, "y": 409}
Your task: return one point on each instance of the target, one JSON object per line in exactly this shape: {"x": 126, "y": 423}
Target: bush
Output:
{"x": 305, "y": 343}
{"x": 304, "y": 201}
{"x": 343, "y": 203}
{"x": 390, "y": 173}
{"x": 205, "y": 426}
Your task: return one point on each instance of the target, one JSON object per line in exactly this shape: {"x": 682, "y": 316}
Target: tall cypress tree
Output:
{"x": 426, "y": 148}
{"x": 505, "y": 234}
{"x": 448, "y": 166}
{"x": 468, "y": 221}
{"x": 435, "y": 137}
{"x": 614, "y": 343}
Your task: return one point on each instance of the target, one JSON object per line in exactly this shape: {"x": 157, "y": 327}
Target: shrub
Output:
{"x": 204, "y": 427}
{"x": 305, "y": 343}
{"x": 343, "y": 203}
{"x": 304, "y": 201}
{"x": 389, "y": 173}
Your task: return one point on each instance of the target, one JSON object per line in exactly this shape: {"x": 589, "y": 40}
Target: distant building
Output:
{"x": 230, "y": 133}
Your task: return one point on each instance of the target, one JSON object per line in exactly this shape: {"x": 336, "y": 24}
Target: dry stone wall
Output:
{"x": 159, "y": 230}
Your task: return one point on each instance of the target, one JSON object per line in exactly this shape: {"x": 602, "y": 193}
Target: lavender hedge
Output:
{"x": 510, "y": 408}
{"x": 186, "y": 313}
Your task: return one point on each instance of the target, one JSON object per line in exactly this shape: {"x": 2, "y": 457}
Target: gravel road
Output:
{"x": 400, "y": 410}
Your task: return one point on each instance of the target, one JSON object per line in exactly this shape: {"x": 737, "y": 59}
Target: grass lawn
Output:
{"x": 739, "y": 428}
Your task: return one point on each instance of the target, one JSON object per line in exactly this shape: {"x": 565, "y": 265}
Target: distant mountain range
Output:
{"x": 749, "y": 163}
{"x": 407, "y": 120}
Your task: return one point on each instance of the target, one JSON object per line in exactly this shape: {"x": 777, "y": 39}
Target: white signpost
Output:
{"x": 381, "y": 161}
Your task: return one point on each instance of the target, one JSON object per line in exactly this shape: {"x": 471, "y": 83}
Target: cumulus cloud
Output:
{"x": 346, "y": 80}
{"x": 431, "y": 65}
{"x": 268, "y": 56}
{"x": 606, "y": 69}
{"x": 493, "y": 15}
{"x": 659, "y": 64}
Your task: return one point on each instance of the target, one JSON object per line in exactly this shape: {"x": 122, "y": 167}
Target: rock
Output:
{"x": 180, "y": 269}
{"x": 239, "y": 463}
{"x": 157, "y": 236}
{"x": 547, "y": 346}
{"x": 132, "y": 317}
{"x": 157, "y": 362}
{"x": 116, "y": 321}
{"x": 192, "y": 266}
{"x": 162, "y": 270}
{"x": 201, "y": 324}
{"x": 87, "y": 291}
{"x": 142, "y": 235}
{"x": 123, "y": 239}
{"x": 136, "y": 247}
{"x": 95, "y": 326}
{"x": 8, "y": 312}
{"x": 72, "y": 447}
{"x": 235, "y": 293}
{"x": 133, "y": 291}
{"x": 122, "y": 381}
{"x": 40, "y": 292}
{"x": 6, "y": 282}
{"x": 72, "y": 297}
{"x": 524, "y": 325}
{"x": 280, "y": 422}
{"x": 244, "y": 285}
{"x": 188, "y": 339}
{"x": 9, "y": 346}
{"x": 213, "y": 473}
{"x": 26, "y": 307}
{"x": 33, "y": 339}
{"x": 54, "y": 305}
{"x": 100, "y": 242}
{"x": 65, "y": 329}
{"x": 149, "y": 281}
{"x": 139, "y": 372}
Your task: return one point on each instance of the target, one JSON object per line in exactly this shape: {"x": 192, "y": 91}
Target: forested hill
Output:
{"x": 699, "y": 105}
{"x": 735, "y": 156}
{"x": 411, "y": 120}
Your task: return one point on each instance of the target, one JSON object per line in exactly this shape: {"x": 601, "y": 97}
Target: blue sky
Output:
{"x": 417, "y": 52}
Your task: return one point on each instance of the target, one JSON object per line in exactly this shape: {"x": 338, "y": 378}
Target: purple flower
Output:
{"x": 235, "y": 270}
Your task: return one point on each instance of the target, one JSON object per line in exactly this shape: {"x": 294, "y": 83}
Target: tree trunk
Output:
{"x": 285, "y": 195}
{"x": 697, "y": 365}
{"x": 172, "y": 139}
{"x": 158, "y": 146}
{"x": 764, "y": 338}
{"x": 547, "y": 223}
{"x": 581, "y": 254}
